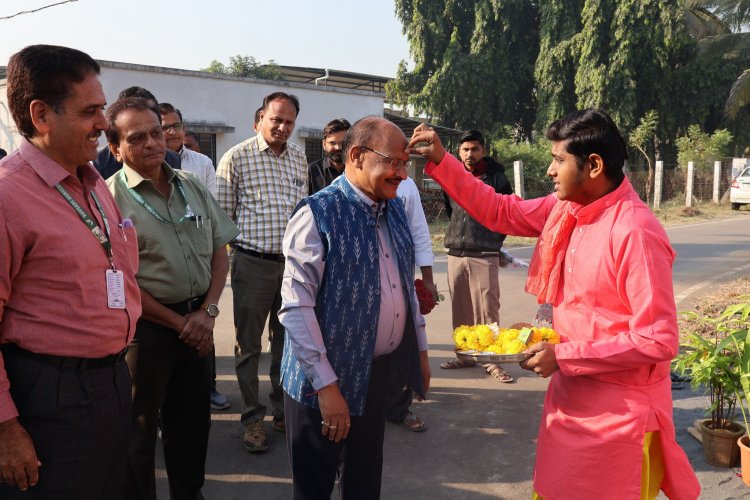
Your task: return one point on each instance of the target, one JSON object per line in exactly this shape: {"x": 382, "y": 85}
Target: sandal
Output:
{"x": 456, "y": 363}
{"x": 500, "y": 374}
{"x": 414, "y": 423}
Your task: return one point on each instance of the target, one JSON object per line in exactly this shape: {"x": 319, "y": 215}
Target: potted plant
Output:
{"x": 736, "y": 325}
{"x": 716, "y": 363}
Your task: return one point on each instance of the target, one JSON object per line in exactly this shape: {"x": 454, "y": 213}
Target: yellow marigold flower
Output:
{"x": 484, "y": 335}
{"x": 514, "y": 347}
{"x": 461, "y": 340}
{"x": 550, "y": 335}
{"x": 496, "y": 348}
{"x": 536, "y": 336}
{"x": 508, "y": 334}
{"x": 472, "y": 341}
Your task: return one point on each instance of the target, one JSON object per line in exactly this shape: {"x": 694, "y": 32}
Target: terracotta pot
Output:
{"x": 720, "y": 445}
{"x": 744, "y": 444}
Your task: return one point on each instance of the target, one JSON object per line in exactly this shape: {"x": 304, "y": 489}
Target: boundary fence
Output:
{"x": 690, "y": 184}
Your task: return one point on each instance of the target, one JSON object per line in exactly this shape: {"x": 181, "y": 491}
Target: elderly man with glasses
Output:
{"x": 350, "y": 317}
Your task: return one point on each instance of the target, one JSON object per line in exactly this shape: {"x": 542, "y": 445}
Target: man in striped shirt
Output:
{"x": 259, "y": 182}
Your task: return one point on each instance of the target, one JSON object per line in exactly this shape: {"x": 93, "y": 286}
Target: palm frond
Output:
{"x": 739, "y": 95}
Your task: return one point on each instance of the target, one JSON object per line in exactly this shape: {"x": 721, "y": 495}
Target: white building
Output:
{"x": 221, "y": 108}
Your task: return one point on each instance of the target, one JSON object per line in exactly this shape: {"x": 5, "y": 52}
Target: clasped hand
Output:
{"x": 198, "y": 331}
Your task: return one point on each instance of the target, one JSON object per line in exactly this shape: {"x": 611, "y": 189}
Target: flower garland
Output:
{"x": 491, "y": 338}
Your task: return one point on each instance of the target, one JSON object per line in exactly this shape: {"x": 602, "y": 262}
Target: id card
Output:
{"x": 115, "y": 289}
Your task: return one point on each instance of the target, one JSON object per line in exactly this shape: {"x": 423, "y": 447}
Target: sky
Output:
{"x": 359, "y": 36}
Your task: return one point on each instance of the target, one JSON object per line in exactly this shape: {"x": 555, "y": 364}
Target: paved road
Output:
{"x": 481, "y": 434}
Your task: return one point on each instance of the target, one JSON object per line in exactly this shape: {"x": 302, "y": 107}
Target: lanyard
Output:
{"x": 188, "y": 211}
{"x": 101, "y": 236}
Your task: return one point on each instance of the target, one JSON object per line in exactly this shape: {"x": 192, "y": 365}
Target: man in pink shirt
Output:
{"x": 605, "y": 263}
{"x": 69, "y": 301}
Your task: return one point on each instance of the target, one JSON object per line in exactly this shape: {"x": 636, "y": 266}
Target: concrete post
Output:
{"x": 689, "y": 185}
{"x": 658, "y": 183}
{"x": 717, "y": 180}
{"x": 518, "y": 178}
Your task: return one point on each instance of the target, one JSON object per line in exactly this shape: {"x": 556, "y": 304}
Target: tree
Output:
{"x": 701, "y": 148}
{"x": 555, "y": 67}
{"x": 640, "y": 138}
{"x": 473, "y": 62}
{"x": 246, "y": 66}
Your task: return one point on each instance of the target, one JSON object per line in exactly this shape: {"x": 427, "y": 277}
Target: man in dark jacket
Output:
{"x": 474, "y": 252}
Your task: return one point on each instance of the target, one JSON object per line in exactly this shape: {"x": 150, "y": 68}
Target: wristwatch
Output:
{"x": 212, "y": 310}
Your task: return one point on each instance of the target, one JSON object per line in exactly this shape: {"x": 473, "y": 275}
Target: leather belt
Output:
{"x": 278, "y": 257}
{"x": 66, "y": 363}
{"x": 186, "y": 306}
{"x": 471, "y": 253}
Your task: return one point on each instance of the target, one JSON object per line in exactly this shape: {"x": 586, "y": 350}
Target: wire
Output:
{"x": 36, "y": 10}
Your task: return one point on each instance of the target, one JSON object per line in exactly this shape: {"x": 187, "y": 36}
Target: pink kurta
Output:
{"x": 616, "y": 316}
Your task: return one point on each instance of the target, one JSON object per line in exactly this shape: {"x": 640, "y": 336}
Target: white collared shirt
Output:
{"x": 200, "y": 165}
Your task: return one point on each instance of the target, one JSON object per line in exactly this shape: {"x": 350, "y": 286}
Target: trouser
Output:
{"x": 398, "y": 396}
{"x": 475, "y": 289}
{"x": 315, "y": 460}
{"x": 79, "y": 422}
{"x": 256, "y": 289}
{"x": 171, "y": 385}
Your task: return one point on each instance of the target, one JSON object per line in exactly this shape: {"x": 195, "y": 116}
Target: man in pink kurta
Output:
{"x": 605, "y": 263}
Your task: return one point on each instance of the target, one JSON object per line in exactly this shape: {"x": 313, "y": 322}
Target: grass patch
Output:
{"x": 711, "y": 305}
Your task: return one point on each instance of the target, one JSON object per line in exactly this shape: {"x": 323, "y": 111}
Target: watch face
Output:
{"x": 212, "y": 310}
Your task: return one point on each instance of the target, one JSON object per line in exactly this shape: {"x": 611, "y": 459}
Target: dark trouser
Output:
{"x": 213, "y": 370}
{"x": 79, "y": 421}
{"x": 168, "y": 378}
{"x": 398, "y": 402}
{"x": 256, "y": 289}
{"x": 358, "y": 460}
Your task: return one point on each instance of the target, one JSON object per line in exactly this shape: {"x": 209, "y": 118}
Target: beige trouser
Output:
{"x": 475, "y": 289}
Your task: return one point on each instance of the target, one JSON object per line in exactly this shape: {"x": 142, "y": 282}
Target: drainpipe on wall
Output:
{"x": 322, "y": 78}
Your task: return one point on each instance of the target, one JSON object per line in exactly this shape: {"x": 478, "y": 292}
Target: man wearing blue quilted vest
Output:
{"x": 350, "y": 314}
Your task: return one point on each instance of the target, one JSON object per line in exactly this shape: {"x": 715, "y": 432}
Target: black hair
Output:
{"x": 336, "y": 125}
{"x": 471, "y": 135}
{"x": 136, "y": 91}
{"x": 281, "y": 95}
{"x": 136, "y": 103}
{"x": 165, "y": 108}
{"x": 46, "y": 73}
{"x": 590, "y": 131}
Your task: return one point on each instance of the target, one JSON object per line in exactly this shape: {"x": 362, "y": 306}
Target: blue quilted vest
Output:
{"x": 348, "y": 301}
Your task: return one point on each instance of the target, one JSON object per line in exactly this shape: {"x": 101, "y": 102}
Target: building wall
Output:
{"x": 221, "y": 100}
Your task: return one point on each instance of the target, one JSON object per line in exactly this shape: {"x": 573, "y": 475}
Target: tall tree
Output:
{"x": 246, "y": 66}
{"x": 473, "y": 62}
{"x": 554, "y": 72}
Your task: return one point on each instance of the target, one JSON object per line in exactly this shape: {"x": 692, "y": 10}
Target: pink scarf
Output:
{"x": 546, "y": 264}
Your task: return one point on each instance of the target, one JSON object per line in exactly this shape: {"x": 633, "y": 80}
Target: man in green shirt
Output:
{"x": 182, "y": 233}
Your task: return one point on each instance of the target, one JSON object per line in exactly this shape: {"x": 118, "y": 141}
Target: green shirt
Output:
{"x": 175, "y": 254}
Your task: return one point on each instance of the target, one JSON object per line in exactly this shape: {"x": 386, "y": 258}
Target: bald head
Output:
{"x": 376, "y": 157}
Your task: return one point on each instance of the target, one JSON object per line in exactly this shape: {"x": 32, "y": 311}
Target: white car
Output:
{"x": 739, "y": 193}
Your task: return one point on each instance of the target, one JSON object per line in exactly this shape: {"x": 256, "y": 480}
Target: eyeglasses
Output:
{"x": 177, "y": 127}
{"x": 394, "y": 164}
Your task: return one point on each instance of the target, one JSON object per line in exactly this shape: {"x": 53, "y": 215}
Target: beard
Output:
{"x": 336, "y": 157}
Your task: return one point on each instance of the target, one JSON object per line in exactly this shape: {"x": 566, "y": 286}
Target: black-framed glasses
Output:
{"x": 394, "y": 163}
{"x": 177, "y": 127}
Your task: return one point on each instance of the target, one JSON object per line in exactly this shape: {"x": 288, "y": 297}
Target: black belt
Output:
{"x": 471, "y": 253}
{"x": 66, "y": 363}
{"x": 186, "y": 306}
{"x": 278, "y": 257}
